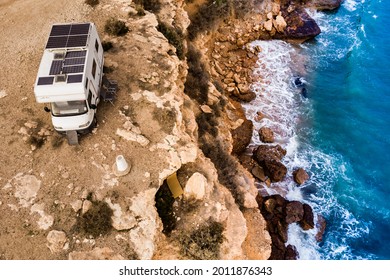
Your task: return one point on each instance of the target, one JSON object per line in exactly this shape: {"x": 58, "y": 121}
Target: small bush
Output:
{"x": 107, "y": 45}
{"x": 153, "y": 6}
{"x": 203, "y": 243}
{"x": 140, "y": 10}
{"x": 197, "y": 83}
{"x": 174, "y": 37}
{"x": 116, "y": 27}
{"x": 92, "y": 3}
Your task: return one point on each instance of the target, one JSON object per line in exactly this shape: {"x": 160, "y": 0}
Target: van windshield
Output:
{"x": 69, "y": 108}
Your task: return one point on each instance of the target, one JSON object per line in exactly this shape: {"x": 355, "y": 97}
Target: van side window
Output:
{"x": 97, "y": 46}
{"x": 86, "y": 83}
{"x": 89, "y": 98}
{"x": 94, "y": 68}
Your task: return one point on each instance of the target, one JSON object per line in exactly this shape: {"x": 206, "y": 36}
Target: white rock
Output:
{"x": 57, "y": 241}
{"x": 121, "y": 220}
{"x": 86, "y": 206}
{"x": 45, "y": 221}
{"x": 3, "y": 93}
{"x": 26, "y": 188}
{"x": 280, "y": 24}
{"x": 268, "y": 25}
{"x": 76, "y": 205}
{"x": 196, "y": 186}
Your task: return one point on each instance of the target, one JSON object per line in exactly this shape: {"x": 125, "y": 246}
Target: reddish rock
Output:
{"x": 258, "y": 172}
{"x": 300, "y": 26}
{"x": 294, "y": 212}
{"x": 242, "y": 137}
{"x": 266, "y": 135}
{"x": 300, "y": 176}
{"x": 275, "y": 170}
{"x": 267, "y": 152}
{"x": 291, "y": 253}
{"x": 321, "y": 226}
{"x": 322, "y": 5}
{"x": 307, "y": 221}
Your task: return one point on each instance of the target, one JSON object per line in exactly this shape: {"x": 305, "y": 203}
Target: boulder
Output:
{"x": 56, "y": 241}
{"x": 275, "y": 170}
{"x": 268, "y": 25}
{"x": 307, "y": 221}
{"x": 300, "y": 176}
{"x": 267, "y": 152}
{"x": 300, "y": 26}
{"x": 280, "y": 24}
{"x": 294, "y": 212}
{"x": 258, "y": 172}
{"x": 266, "y": 135}
{"x": 321, "y": 226}
{"x": 322, "y": 5}
{"x": 196, "y": 186}
{"x": 291, "y": 253}
{"x": 242, "y": 136}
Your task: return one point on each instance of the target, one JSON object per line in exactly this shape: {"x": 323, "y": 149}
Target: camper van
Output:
{"x": 70, "y": 76}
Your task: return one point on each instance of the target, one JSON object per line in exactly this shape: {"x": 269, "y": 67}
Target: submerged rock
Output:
{"x": 324, "y": 4}
{"x": 269, "y": 158}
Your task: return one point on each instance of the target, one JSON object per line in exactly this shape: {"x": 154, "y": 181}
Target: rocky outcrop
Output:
{"x": 242, "y": 136}
{"x": 300, "y": 176}
{"x": 269, "y": 159}
{"x": 279, "y": 213}
{"x": 321, "y": 226}
{"x": 323, "y": 4}
{"x": 300, "y": 26}
{"x": 266, "y": 135}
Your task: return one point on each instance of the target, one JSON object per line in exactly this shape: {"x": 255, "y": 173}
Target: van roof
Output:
{"x": 62, "y": 66}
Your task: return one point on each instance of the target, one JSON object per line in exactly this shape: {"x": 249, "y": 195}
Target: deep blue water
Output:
{"x": 347, "y": 129}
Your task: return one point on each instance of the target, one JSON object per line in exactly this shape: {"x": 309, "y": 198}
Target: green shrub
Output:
{"x": 92, "y": 3}
{"x": 153, "y": 6}
{"x": 116, "y": 27}
{"x": 203, "y": 243}
{"x": 174, "y": 37}
{"x": 107, "y": 45}
{"x": 197, "y": 83}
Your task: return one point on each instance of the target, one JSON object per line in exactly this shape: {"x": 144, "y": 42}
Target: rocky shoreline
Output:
{"x": 232, "y": 62}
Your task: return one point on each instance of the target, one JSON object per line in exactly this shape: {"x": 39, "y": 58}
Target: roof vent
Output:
{"x": 59, "y": 55}
{"x": 60, "y": 78}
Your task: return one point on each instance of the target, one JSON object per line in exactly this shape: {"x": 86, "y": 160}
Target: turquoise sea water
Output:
{"x": 339, "y": 131}
{"x": 349, "y": 91}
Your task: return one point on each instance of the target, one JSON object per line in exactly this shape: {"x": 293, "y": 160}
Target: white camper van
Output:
{"x": 70, "y": 76}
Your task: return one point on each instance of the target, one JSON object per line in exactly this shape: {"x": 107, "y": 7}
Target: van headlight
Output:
{"x": 58, "y": 127}
{"x": 84, "y": 125}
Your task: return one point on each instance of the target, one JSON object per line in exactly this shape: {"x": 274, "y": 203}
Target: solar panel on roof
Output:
{"x": 45, "y": 81}
{"x": 56, "y": 42}
{"x": 76, "y": 54}
{"x": 55, "y": 68}
{"x": 77, "y": 41}
{"x": 78, "y": 29}
{"x": 73, "y": 69}
{"x": 60, "y": 30}
{"x": 68, "y": 36}
{"x": 74, "y": 61}
{"x": 75, "y": 78}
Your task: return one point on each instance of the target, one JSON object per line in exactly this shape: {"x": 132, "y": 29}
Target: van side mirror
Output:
{"x": 93, "y": 106}
{"x": 46, "y": 109}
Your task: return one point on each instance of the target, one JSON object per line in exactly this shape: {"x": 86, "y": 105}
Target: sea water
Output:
{"x": 334, "y": 122}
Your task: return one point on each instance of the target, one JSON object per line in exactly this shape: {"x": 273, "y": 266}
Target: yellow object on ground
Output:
{"x": 174, "y": 185}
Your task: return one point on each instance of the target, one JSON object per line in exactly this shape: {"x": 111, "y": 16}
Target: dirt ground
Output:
{"x": 60, "y": 172}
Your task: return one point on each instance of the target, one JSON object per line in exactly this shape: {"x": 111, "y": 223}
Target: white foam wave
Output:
{"x": 350, "y": 5}
{"x": 278, "y": 99}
